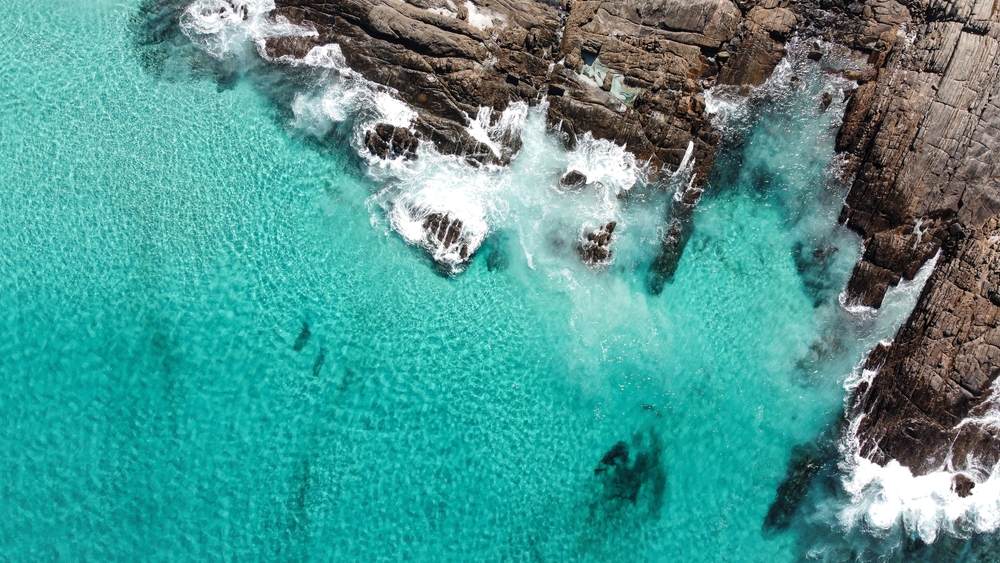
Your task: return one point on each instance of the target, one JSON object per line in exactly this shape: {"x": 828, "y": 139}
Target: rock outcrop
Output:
{"x": 680, "y": 226}
{"x": 388, "y": 142}
{"x": 627, "y": 71}
{"x": 595, "y": 248}
{"x": 920, "y": 130}
{"x": 922, "y": 137}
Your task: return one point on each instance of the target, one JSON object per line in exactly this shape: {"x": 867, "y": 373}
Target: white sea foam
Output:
{"x": 225, "y": 28}
{"x": 483, "y": 18}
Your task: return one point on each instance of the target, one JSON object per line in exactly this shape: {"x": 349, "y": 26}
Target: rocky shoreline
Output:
{"x": 922, "y": 136}
{"x": 919, "y": 134}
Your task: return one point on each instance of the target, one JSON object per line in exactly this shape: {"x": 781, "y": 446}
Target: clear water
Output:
{"x": 164, "y": 236}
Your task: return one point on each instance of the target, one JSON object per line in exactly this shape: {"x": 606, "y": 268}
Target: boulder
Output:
{"x": 389, "y": 142}
{"x": 573, "y": 180}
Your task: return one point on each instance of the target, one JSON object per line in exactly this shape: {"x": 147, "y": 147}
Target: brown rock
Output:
{"x": 387, "y": 141}
{"x": 962, "y": 485}
{"x": 595, "y": 248}
{"x": 573, "y": 180}
{"x": 921, "y": 138}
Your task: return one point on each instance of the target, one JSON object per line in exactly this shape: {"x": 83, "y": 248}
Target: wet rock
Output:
{"x": 388, "y": 142}
{"x": 573, "y": 180}
{"x": 924, "y": 182}
{"x": 447, "y": 242}
{"x": 595, "y": 249}
{"x": 680, "y": 226}
{"x": 814, "y": 55}
{"x": 303, "y": 338}
{"x": 962, "y": 485}
{"x": 825, "y": 100}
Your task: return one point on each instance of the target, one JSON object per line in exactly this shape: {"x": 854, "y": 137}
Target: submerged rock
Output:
{"x": 318, "y": 363}
{"x": 303, "y": 338}
{"x": 803, "y": 466}
{"x": 388, "y": 142}
{"x": 595, "y": 249}
{"x": 630, "y": 470}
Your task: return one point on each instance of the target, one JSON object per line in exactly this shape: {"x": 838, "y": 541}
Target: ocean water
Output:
{"x": 216, "y": 343}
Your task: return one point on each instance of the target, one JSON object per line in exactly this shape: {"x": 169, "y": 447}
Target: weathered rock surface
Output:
{"x": 388, "y": 142}
{"x": 626, "y": 71}
{"x": 923, "y": 137}
{"x": 595, "y": 249}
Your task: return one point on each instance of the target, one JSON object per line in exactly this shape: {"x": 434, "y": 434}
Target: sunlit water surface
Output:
{"x": 165, "y": 233}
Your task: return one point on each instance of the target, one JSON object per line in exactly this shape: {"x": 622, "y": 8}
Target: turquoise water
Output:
{"x": 165, "y": 233}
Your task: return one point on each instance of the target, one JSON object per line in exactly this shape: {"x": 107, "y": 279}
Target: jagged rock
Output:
{"x": 387, "y": 141}
{"x": 680, "y": 226}
{"x": 574, "y": 179}
{"x": 443, "y": 232}
{"x": 921, "y": 138}
{"x": 814, "y": 55}
{"x": 447, "y": 239}
{"x": 759, "y": 44}
{"x": 447, "y": 67}
{"x": 962, "y": 485}
{"x": 595, "y": 249}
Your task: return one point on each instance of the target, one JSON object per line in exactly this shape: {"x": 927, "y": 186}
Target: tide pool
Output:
{"x": 166, "y": 232}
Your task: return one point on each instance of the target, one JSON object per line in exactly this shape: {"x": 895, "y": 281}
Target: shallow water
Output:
{"x": 168, "y": 227}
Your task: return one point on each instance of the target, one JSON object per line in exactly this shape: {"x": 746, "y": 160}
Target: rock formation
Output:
{"x": 573, "y": 180}
{"x": 595, "y": 249}
{"x": 387, "y": 142}
{"x": 628, "y": 71}
{"x": 920, "y": 132}
{"x": 680, "y": 226}
{"x": 443, "y": 233}
{"x": 922, "y": 137}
